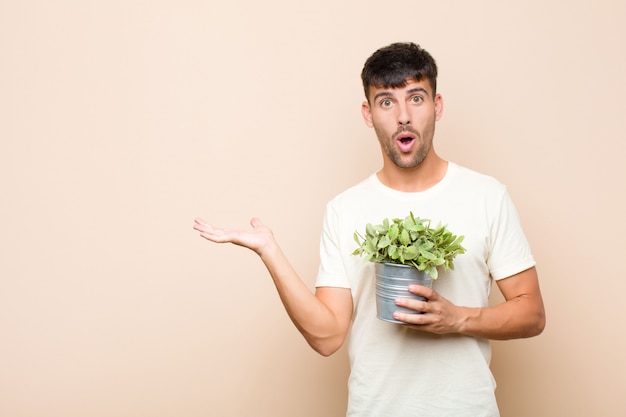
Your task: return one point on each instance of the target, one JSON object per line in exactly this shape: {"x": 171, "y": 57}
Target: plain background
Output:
{"x": 122, "y": 121}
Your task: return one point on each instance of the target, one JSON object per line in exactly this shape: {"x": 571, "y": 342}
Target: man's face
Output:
{"x": 404, "y": 120}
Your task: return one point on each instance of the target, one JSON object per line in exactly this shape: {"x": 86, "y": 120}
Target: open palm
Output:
{"x": 255, "y": 239}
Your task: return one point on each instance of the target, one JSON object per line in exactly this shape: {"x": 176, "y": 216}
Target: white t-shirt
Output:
{"x": 397, "y": 371}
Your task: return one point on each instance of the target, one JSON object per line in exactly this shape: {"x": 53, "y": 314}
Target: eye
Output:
{"x": 417, "y": 99}
{"x": 385, "y": 103}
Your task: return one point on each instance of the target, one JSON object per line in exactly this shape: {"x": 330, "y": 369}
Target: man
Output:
{"x": 437, "y": 364}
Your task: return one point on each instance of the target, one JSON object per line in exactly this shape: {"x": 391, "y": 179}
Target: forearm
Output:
{"x": 320, "y": 321}
{"x": 519, "y": 317}
{"x": 323, "y": 318}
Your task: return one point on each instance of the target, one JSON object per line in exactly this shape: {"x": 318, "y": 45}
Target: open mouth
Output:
{"x": 405, "y": 138}
{"x": 405, "y": 141}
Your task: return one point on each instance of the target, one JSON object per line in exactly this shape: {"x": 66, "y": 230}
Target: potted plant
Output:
{"x": 406, "y": 251}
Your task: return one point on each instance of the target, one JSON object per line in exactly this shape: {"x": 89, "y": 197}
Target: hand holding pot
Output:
{"x": 440, "y": 315}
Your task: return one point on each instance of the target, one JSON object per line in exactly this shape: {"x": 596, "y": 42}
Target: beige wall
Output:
{"x": 120, "y": 121}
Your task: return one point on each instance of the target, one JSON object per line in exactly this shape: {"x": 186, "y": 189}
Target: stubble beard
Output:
{"x": 396, "y": 156}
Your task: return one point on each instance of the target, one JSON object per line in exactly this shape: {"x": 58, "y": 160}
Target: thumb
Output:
{"x": 256, "y": 222}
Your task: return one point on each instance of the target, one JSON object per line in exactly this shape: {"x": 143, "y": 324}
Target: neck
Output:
{"x": 410, "y": 180}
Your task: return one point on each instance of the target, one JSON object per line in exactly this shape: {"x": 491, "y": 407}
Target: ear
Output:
{"x": 438, "y": 106}
{"x": 366, "y": 112}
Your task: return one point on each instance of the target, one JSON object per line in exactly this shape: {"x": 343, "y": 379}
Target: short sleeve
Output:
{"x": 332, "y": 271}
{"x": 509, "y": 249}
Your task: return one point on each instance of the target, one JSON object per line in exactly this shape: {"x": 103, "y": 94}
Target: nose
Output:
{"x": 404, "y": 119}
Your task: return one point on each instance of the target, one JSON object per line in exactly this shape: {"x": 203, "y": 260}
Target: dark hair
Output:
{"x": 391, "y": 67}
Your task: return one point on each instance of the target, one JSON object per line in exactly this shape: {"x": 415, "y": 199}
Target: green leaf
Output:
{"x": 432, "y": 271}
{"x": 439, "y": 261}
{"x": 426, "y": 246}
{"x": 410, "y": 252}
{"x": 370, "y": 246}
{"x": 409, "y": 222}
{"x": 394, "y": 231}
{"x": 404, "y": 237}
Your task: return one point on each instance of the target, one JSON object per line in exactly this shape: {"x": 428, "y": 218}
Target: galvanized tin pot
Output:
{"x": 392, "y": 281}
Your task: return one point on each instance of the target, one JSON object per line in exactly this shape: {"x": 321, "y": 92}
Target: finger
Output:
{"x": 199, "y": 224}
{"x": 203, "y": 227}
{"x": 211, "y": 233}
{"x": 408, "y": 318}
{"x": 423, "y": 291}
{"x": 412, "y": 304}
{"x": 218, "y": 235}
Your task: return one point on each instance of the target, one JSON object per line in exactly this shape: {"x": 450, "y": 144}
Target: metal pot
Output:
{"x": 392, "y": 281}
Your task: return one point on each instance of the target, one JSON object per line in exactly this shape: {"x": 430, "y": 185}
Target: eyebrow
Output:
{"x": 418, "y": 89}
{"x": 387, "y": 93}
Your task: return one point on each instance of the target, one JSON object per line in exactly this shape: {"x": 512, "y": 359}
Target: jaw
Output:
{"x": 405, "y": 175}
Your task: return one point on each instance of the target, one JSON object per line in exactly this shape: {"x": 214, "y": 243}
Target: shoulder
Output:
{"x": 356, "y": 194}
{"x": 461, "y": 173}
{"x": 468, "y": 181}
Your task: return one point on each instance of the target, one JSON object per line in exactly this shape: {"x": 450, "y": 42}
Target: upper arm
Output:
{"x": 339, "y": 302}
{"x": 525, "y": 283}
{"x": 523, "y": 288}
